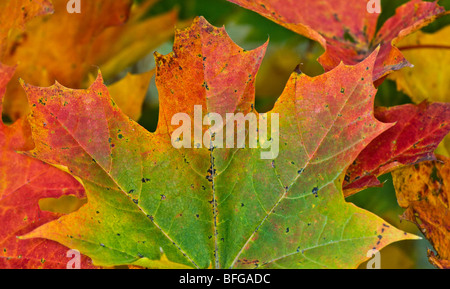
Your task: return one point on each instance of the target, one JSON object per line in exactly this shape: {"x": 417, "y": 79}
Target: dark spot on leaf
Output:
{"x": 315, "y": 192}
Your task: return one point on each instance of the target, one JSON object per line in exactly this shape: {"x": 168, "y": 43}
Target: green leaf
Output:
{"x": 215, "y": 207}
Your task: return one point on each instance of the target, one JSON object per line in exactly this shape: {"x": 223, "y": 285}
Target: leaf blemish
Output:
{"x": 315, "y": 192}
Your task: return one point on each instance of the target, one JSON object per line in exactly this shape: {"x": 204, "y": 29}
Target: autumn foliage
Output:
{"x": 71, "y": 133}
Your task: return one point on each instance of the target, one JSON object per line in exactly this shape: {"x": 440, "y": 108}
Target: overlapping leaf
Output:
{"x": 65, "y": 47}
{"x": 347, "y": 30}
{"x": 23, "y": 182}
{"x": 430, "y": 54}
{"x": 150, "y": 204}
{"x": 414, "y": 138}
{"x": 423, "y": 190}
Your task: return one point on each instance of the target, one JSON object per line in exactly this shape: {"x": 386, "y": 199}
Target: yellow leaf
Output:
{"x": 423, "y": 190}
{"x": 66, "y": 47}
{"x": 430, "y": 55}
{"x": 132, "y": 41}
{"x": 129, "y": 93}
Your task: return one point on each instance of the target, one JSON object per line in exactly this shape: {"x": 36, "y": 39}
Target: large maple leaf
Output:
{"x": 152, "y": 205}
{"x": 23, "y": 182}
{"x": 346, "y": 29}
{"x": 65, "y": 47}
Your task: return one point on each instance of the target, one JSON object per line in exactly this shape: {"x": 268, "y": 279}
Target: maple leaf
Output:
{"x": 346, "y": 30}
{"x": 152, "y": 205}
{"x": 423, "y": 190}
{"x": 418, "y": 131}
{"x": 109, "y": 34}
{"x": 430, "y": 55}
{"x": 23, "y": 182}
